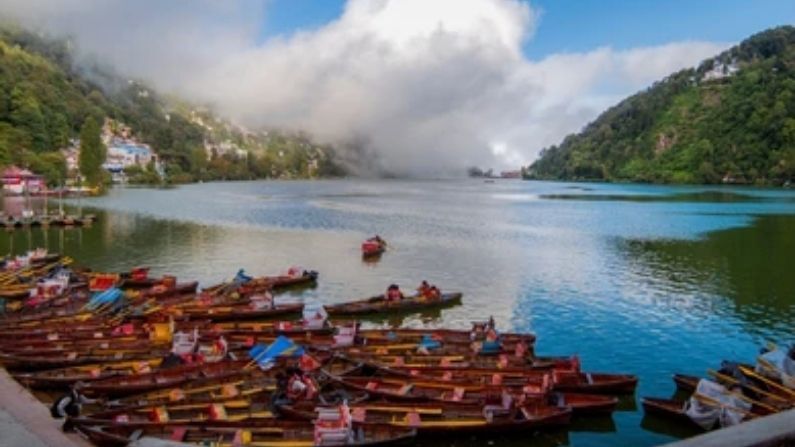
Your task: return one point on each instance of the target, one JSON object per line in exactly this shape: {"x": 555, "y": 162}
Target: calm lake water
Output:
{"x": 642, "y": 279}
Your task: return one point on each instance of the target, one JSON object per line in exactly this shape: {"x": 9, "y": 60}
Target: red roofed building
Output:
{"x": 17, "y": 181}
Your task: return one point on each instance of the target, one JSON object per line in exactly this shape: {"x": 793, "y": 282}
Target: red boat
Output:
{"x": 375, "y": 246}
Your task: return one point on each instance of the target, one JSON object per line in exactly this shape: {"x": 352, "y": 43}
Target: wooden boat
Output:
{"x": 447, "y": 335}
{"x": 483, "y": 364}
{"x": 82, "y": 346}
{"x": 518, "y": 381}
{"x": 163, "y": 378}
{"x": 773, "y": 398}
{"x": 160, "y": 291}
{"x": 236, "y": 312}
{"x": 34, "y": 362}
{"x": 308, "y": 278}
{"x": 686, "y": 382}
{"x": 274, "y": 434}
{"x": 249, "y": 409}
{"x": 436, "y": 419}
{"x": 585, "y": 404}
{"x": 372, "y": 248}
{"x": 291, "y": 328}
{"x": 263, "y": 283}
{"x": 378, "y": 304}
{"x": 671, "y": 409}
{"x": 364, "y": 347}
{"x": 139, "y": 283}
{"x": 343, "y": 366}
{"x": 66, "y": 377}
{"x": 399, "y": 389}
{"x": 138, "y": 278}
{"x": 235, "y": 384}
{"x": 594, "y": 382}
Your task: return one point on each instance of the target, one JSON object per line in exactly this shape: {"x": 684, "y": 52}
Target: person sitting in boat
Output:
{"x": 300, "y": 386}
{"x": 69, "y": 404}
{"x": 377, "y": 239}
{"x": 433, "y": 293}
{"x": 393, "y": 293}
{"x": 424, "y": 288}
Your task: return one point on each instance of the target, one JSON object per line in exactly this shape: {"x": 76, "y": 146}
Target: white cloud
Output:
{"x": 429, "y": 86}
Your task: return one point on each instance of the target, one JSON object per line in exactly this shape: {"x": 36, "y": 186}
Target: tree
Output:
{"x": 92, "y": 152}
{"x": 26, "y": 114}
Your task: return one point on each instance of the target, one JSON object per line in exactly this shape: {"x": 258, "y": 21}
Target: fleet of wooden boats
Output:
{"x": 132, "y": 356}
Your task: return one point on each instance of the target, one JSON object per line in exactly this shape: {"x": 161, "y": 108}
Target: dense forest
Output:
{"x": 730, "y": 120}
{"x": 45, "y": 98}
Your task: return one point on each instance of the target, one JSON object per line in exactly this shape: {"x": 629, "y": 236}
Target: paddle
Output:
{"x": 732, "y": 380}
{"x": 748, "y": 372}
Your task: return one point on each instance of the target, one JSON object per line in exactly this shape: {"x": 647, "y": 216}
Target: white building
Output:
{"x": 123, "y": 154}
{"x": 720, "y": 71}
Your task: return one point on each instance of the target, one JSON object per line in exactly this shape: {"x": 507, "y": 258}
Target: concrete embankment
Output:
{"x": 777, "y": 430}
{"x": 26, "y": 422}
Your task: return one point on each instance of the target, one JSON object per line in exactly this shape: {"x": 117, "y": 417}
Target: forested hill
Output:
{"x": 731, "y": 120}
{"x": 45, "y": 98}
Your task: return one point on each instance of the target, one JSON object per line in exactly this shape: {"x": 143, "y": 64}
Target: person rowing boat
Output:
{"x": 393, "y": 293}
{"x": 300, "y": 386}
{"x": 428, "y": 291}
{"x": 373, "y": 246}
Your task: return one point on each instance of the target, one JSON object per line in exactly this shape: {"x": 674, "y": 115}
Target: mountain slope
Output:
{"x": 45, "y": 98}
{"x": 730, "y": 120}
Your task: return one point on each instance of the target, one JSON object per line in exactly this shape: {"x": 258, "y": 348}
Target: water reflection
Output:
{"x": 695, "y": 197}
{"x": 752, "y": 266}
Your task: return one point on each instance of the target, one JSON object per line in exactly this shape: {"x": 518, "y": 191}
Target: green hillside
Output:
{"x": 731, "y": 120}
{"x": 45, "y": 98}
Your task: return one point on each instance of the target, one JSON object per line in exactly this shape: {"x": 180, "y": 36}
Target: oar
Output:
{"x": 747, "y": 371}
{"x": 732, "y": 380}
{"x": 769, "y": 366}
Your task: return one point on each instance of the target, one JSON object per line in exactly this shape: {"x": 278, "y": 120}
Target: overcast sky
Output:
{"x": 430, "y": 86}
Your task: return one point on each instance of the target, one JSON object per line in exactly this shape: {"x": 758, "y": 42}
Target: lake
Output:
{"x": 649, "y": 280}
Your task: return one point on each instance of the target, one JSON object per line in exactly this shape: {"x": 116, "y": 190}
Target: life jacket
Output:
{"x": 491, "y": 335}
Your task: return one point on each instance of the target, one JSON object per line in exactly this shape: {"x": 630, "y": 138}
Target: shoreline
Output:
{"x": 26, "y": 421}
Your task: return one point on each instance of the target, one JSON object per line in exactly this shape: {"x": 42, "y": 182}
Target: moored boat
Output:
{"x": 379, "y": 304}
{"x": 674, "y": 410}
{"x": 270, "y": 434}
{"x": 438, "y": 418}
{"x": 373, "y": 247}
